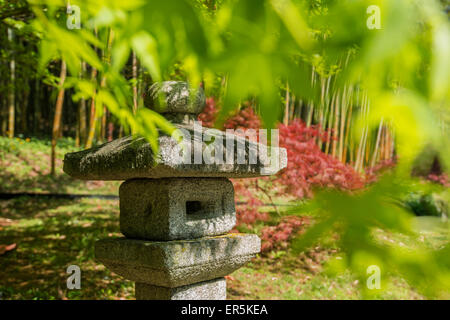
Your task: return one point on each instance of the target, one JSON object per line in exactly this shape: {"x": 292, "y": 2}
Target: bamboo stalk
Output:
{"x": 300, "y": 108}
{"x": 377, "y": 144}
{"x": 311, "y": 103}
{"x": 359, "y": 153}
{"x": 292, "y": 109}
{"x": 336, "y": 124}
{"x": 366, "y": 134}
{"x": 348, "y": 129}
{"x": 342, "y": 125}
{"x": 286, "y": 106}
{"x": 322, "y": 106}
{"x": 392, "y": 154}
{"x": 330, "y": 123}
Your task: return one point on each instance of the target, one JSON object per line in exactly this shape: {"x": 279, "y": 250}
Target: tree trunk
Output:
{"x": 4, "y": 110}
{"x": 37, "y": 106}
{"x": 11, "y": 94}
{"x": 58, "y": 112}
{"x": 25, "y": 112}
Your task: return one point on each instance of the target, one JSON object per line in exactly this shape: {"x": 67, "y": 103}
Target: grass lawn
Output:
{"x": 52, "y": 234}
{"x": 25, "y": 167}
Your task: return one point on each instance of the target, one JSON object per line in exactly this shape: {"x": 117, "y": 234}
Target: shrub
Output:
{"x": 209, "y": 114}
{"x": 277, "y": 237}
{"x": 308, "y": 167}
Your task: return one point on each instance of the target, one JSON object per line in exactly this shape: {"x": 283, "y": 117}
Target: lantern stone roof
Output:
{"x": 132, "y": 156}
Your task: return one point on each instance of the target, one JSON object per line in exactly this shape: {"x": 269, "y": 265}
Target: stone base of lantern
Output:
{"x": 207, "y": 290}
{"x": 178, "y": 269}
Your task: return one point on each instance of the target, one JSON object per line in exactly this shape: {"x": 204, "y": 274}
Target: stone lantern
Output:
{"x": 176, "y": 215}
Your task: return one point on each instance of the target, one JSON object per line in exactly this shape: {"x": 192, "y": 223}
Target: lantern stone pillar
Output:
{"x": 175, "y": 216}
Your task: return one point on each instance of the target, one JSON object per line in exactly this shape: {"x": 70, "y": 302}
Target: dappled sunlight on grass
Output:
{"x": 52, "y": 235}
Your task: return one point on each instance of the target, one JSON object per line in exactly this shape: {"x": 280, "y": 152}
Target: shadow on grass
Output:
{"x": 46, "y": 183}
{"x": 52, "y": 234}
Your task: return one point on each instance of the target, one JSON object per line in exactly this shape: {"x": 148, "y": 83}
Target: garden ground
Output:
{"x": 50, "y": 234}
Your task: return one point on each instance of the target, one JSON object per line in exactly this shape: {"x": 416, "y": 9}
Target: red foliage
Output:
{"x": 245, "y": 118}
{"x": 441, "y": 179}
{"x": 308, "y": 167}
{"x": 209, "y": 114}
{"x": 277, "y": 237}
